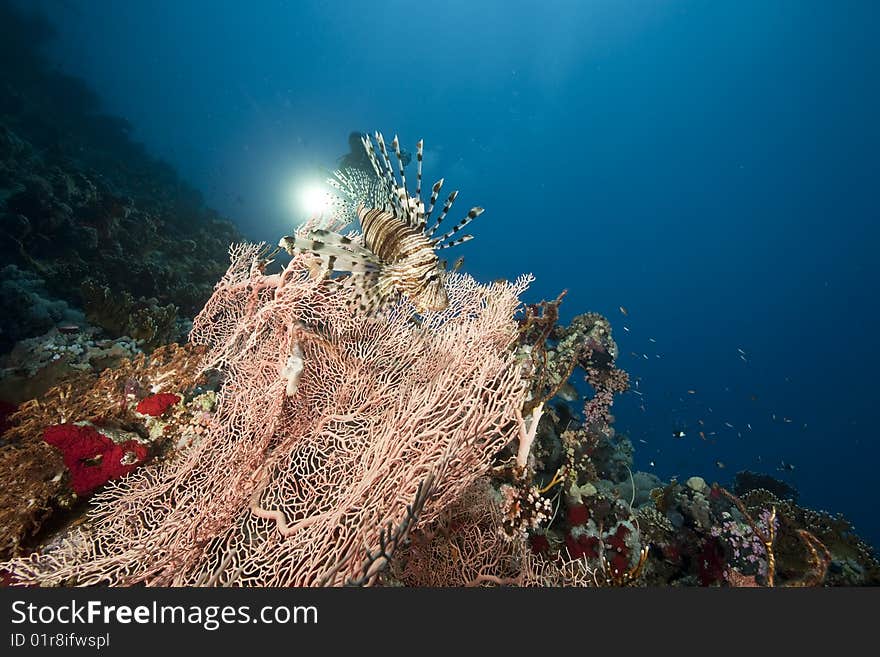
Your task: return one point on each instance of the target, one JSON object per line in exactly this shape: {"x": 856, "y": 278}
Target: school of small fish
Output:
{"x": 723, "y": 426}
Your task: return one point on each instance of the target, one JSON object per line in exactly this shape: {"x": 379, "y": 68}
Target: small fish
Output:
{"x": 702, "y": 424}
{"x": 749, "y": 426}
{"x": 643, "y": 441}
{"x": 652, "y": 340}
{"x": 626, "y": 328}
{"x": 787, "y": 420}
{"x": 678, "y": 434}
{"x": 645, "y": 356}
{"x": 703, "y": 435}
{"x": 728, "y": 425}
{"x": 741, "y": 351}
{"x": 639, "y": 393}
{"x": 623, "y": 311}
{"x": 651, "y": 463}
{"x": 692, "y": 392}
{"x": 785, "y": 467}
{"x": 720, "y": 465}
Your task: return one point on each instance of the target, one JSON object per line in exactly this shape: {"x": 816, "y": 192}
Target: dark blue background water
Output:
{"x": 711, "y": 167}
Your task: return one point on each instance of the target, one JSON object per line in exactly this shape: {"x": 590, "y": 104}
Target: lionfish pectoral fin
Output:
{"x": 366, "y": 293}
{"x": 333, "y": 256}
{"x": 335, "y": 239}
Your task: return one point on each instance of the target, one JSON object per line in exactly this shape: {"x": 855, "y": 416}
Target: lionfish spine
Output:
{"x": 420, "y": 147}
{"x": 446, "y": 207}
{"x": 386, "y": 162}
{"x": 435, "y": 192}
{"x": 374, "y": 160}
{"x": 471, "y": 215}
{"x": 395, "y": 144}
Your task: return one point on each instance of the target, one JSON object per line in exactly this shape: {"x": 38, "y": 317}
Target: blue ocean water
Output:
{"x": 711, "y": 168}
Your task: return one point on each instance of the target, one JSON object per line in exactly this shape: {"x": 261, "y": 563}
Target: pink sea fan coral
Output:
{"x": 299, "y": 481}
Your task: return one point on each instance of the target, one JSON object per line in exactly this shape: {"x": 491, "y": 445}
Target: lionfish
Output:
{"x": 396, "y": 254}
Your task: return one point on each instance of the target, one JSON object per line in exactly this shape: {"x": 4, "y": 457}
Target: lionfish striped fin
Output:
{"x": 435, "y": 192}
{"x": 460, "y": 240}
{"x": 411, "y": 208}
{"x": 386, "y": 160}
{"x": 446, "y": 207}
{"x": 393, "y": 196}
{"x": 371, "y": 153}
{"x": 395, "y": 144}
{"x": 420, "y": 146}
{"x": 471, "y": 215}
{"x": 383, "y": 171}
{"x": 333, "y": 257}
{"x": 365, "y": 295}
{"x": 329, "y": 237}
{"x": 353, "y": 187}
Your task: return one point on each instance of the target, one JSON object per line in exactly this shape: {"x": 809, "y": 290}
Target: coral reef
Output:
{"x": 746, "y": 481}
{"x": 546, "y": 497}
{"x": 94, "y": 427}
{"x": 292, "y": 443}
{"x": 119, "y": 313}
{"x": 35, "y": 311}
{"x": 37, "y": 364}
{"x": 82, "y": 204}
{"x": 388, "y": 423}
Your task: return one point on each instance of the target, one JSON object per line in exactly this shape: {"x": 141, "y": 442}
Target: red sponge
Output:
{"x": 155, "y": 405}
{"x": 92, "y": 458}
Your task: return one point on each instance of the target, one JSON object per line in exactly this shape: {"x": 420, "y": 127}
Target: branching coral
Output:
{"x": 299, "y": 489}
